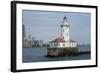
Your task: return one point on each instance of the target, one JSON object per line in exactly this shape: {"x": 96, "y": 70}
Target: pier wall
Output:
{"x": 62, "y": 51}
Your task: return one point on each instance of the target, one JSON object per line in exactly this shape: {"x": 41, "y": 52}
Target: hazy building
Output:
{"x": 26, "y": 40}
{"x": 37, "y": 43}
{"x": 23, "y": 30}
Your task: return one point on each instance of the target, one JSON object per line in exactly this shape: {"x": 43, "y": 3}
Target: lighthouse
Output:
{"x": 65, "y": 30}
{"x": 63, "y": 45}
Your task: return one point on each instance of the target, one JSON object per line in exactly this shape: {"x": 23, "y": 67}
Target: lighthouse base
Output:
{"x": 57, "y": 52}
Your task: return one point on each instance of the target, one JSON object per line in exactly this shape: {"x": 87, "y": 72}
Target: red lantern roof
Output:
{"x": 59, "y": 39}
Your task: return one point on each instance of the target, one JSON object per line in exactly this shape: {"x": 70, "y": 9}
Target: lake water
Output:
{"x": 39, "y": 55}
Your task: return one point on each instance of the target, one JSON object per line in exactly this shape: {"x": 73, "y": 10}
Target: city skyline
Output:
{"x": 45, "y": 25}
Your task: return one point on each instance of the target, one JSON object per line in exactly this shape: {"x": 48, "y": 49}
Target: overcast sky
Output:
{"x": 45, "y": 25}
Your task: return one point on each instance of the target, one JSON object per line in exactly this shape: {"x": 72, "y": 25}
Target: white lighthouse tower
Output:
{"x": 65, "y": 31}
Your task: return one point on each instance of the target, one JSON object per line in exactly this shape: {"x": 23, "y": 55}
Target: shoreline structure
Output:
{"x": 63, "y": 45}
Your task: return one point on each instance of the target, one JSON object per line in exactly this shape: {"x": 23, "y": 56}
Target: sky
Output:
{"x": 45, "y": 25}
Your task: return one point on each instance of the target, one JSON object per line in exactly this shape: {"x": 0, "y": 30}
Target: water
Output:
{"x": 84, "y": 47}
{"x": 39, "y": 55}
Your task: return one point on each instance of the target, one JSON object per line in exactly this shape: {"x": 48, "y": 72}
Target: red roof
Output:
{"x": 59, "y": 39}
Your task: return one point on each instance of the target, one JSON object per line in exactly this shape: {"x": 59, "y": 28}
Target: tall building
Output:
{"x": 23, "y": 34}
{"x": 26, "y": 40}
{"x": 23, "y": 30}
{"x": 33, "y": 41}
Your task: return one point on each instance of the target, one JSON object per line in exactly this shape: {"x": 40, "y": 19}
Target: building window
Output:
{"x": 58, "y": 44}
{"x": 63, "y": 44}
{"x": 54, "y": 44}
{"x": 67, "y": 41}
{"x": 73, "y": 44}
{"x": 51, "y": 45}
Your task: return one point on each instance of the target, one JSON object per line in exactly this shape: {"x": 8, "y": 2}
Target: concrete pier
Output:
{"x": 56, "y": 52}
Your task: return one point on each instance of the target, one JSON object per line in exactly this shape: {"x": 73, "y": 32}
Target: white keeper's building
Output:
{"x": 64, "y": 40}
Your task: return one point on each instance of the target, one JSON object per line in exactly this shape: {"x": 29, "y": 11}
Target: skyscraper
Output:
{"x": 23, "y": 31}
